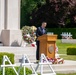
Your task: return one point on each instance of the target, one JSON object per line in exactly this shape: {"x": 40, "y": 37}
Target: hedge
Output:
{"x": 71, "y": 51}
{"x": 10, "y": 56}
{"x": 59, "y": 31}
{"x": 10, "y": 71}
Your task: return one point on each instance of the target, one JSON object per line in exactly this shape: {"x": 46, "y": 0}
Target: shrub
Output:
{"x": 71, "y": 51}
{"x": 10, "y": 71}
{"x": 59, "y": 31}
{"x": 10, "y": 56}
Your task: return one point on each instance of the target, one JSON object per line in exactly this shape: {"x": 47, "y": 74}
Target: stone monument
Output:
{"x": 10, "y": 33}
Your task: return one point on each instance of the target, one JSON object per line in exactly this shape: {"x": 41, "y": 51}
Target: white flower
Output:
{"x": 28, "y": 35}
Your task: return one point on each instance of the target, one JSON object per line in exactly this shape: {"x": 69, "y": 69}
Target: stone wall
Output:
{"x": 68, "y": 40}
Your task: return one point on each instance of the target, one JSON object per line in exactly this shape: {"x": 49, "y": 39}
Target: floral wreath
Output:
{"x": 28, "y": 33}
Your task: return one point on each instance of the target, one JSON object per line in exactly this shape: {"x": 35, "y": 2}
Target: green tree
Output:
{"x": 57, "y": 13}
{"x": 27, "y": 7}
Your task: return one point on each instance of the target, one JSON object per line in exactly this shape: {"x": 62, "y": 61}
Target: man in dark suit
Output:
{"x": 39, "y": 32}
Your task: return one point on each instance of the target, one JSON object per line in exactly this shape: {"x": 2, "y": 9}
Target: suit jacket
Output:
{"x": 39, "y": 31}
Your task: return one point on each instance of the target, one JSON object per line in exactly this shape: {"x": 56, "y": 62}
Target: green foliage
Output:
{"x": 71, "y": 51}
{"x": 10, "y": 55}
{"x": 10, "y": 71}
{"x": 57, "y": 13}
{"x": 28, "y": 71}
{"x": 30, "y": 5}
{"x": 27, "y": 7}
{"x": 59, "y": 31}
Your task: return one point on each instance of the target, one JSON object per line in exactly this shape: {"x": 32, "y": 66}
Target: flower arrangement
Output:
{"x": 28, "y": 33}
{"x": 57, "y": 59}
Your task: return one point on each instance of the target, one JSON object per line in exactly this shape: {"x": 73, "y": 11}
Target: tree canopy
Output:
{"x": 57, "y": 13}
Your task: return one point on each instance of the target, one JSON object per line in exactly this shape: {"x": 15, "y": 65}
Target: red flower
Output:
{"x": 33, "y": 45}
{"x": 25, "y": 36}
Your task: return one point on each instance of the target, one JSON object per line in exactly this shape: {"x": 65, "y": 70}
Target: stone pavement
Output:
{"x": 68, "y": 66}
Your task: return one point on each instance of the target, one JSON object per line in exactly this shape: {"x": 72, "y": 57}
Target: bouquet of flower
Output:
{"x": 28, "y": 33}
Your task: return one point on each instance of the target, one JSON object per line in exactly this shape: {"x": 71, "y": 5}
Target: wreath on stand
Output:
{"x": 29, "y": 35}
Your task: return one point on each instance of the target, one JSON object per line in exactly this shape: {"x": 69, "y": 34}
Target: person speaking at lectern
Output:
{"x": 39, "y": 32}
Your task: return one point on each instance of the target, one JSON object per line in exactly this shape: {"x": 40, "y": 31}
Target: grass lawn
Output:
{"x": 62, "y": 49}
{"x": 63, "y": 46}
{"x": 68, "y": 57}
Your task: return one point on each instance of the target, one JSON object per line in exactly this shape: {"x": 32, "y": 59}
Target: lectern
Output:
{"x": 47, "y": 45}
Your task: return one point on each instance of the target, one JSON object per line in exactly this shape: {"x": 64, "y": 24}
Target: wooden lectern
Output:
{"x": 47, "y": 45}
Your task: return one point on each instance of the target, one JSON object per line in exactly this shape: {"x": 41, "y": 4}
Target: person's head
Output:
{"x": 44, "y": 24}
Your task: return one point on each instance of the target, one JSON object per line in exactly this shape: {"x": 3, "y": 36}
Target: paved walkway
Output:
{"x": 68, "y": 66}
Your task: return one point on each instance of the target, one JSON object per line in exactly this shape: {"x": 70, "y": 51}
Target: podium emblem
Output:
{"x": 51, "y": 49}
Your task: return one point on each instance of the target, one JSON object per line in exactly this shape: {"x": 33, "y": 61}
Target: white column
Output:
{"x": 13, "y": 14}
{"x": 11, "y": 35}
{"x": 2, "y": 6}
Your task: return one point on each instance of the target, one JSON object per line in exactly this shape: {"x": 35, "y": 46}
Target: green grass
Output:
{"x": 62, "y": 47}
{"x": 68, "y": 57}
